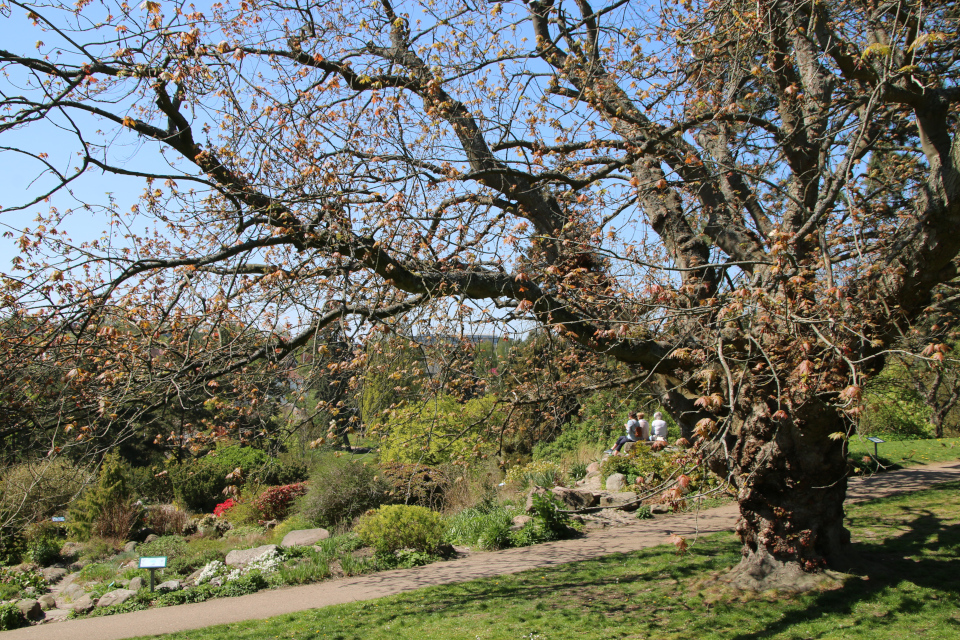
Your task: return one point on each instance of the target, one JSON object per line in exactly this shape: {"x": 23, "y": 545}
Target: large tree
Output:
{"x": 746, "y": 202}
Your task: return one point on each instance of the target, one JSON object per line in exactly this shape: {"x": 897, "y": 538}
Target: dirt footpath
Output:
{"x": 642, "y": 533}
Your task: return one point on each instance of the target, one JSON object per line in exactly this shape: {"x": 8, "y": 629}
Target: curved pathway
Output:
{"x": 265, "y": 604}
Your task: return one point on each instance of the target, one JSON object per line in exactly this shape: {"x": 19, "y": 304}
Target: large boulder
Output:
{"x": 576, "y": 499}
{"x": 593, "y": 467}
{"x": 130, "y": 547}
{"x": 115, "y": 597}
{"x": 84, "y": 604}
{"x": 30, "y": 609}
{"x": 616, "y": 482}
{"x": 53, "y": 575}
{"x": 246, "y": 556}
{"x": 47, "y": 601}
{"x": 304, "y": 537}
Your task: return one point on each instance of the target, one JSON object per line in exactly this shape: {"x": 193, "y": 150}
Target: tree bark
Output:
{"x": 792, "y": 479}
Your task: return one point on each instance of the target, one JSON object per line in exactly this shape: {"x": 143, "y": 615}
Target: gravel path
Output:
{"x": 264, "y": 604}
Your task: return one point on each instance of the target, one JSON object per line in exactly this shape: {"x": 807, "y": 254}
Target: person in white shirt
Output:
{"x": 659, "y": 427}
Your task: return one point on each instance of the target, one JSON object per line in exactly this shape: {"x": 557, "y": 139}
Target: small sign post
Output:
{"x": 875, "y": 440}
{"x": 153, "y": 563}
{"x": 58, "y": 519}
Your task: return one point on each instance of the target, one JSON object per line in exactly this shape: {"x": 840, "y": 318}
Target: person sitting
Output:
{"x": 659, "y": 427}
{"x": 643, "y": 432}
{"x": 633, "y": 433}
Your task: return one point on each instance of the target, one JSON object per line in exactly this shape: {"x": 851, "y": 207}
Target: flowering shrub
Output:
{"x": 221, "y": 573}
{"x": 223, "y": 507}
{"x": 274, "y": 503}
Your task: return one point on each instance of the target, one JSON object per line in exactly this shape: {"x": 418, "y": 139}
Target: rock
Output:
{"x": 618, "y": 499}
{"x": 270, "y": 524}
{"x": 135, "y": 584}
{"x": 71, "y": 593}
{"x": 660, "y": 509}
{"x": 593, "y": 467}
{"x": 47, "y": 601}
{"x": 117, "y": 596}
{"x": 192, "y": 579}
{"x": 53, "y": 575}
{"x": 30, "y": 591}
{"x": 576, "y": 499}
{"x": 71, "y": 550}
{"x": 304, "y": 537}
{"x": 616, "y": 482}
{"x": 30, "y": 609}
{"x": 68, "y": 580}
{"x": 521, "y": 521}
{"x": 130, "y": 547}
{"x": 84, "y": 604}
{"x": 150, "y": 538}
{"x": 169, "y": 585}
{"x": 76, "y": 566}
{"x": 627, "y": 447}
{"x": 246, "y": 556}
{"x": 528, "y": 507}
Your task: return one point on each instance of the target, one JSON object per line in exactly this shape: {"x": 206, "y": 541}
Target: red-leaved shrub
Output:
{"x": 275, "y": 502}
{"x": 223, "y": 507}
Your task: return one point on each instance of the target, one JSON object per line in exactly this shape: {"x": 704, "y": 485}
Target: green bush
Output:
{"x": 340, "y": 490}
{"x": 11, "y": 617}
{"x": 394, "y": 527}
{"x": 549, "y": 523}
{"x": 13, "y": 546}
{"x": 198, "y": 484}
{"x": 43, "y": 542}
{"x": 105, "y": 509}
{"x": 36, "y": 491}
{"x": 22, "y": 579}
{"x": 440, "y": 430}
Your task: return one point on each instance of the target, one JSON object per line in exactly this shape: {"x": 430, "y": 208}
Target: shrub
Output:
{"x": 12, "y": 545}
{"x": 417, "y": 484}
{"x": 243, "y": 514}
{"x": 221, "y": 509}
{"x": 541, "y": 473}
{"x": 11, "y": 617}
{"x": 199, "y": 484}
{"x": 106, "y": 506}
{"x": 275, "y": 502}
{"x": 549, "y": 523}
{"x": 36, "y": 491}
{"x": 438, "y": 431}
{"x": 341, "y": 490}
{"x": 166, "y": 519}
{"x": 43, "y": 542}
{"x": 117, "y": 520}
{"x": 394, "y": 527}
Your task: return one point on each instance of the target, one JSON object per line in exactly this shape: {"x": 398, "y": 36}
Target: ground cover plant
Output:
{"x": 906, "y": 546}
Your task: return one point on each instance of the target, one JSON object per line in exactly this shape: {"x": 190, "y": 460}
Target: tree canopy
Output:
{"x": 747, "y": 203}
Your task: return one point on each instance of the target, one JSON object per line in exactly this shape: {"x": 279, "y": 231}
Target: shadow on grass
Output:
{"x": 878, "y": 566}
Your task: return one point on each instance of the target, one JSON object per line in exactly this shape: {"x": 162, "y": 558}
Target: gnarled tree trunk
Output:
{"x": 792, "y": 480}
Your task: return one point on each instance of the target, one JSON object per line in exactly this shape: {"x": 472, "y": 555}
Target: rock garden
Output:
{"x": 233, "y": 529}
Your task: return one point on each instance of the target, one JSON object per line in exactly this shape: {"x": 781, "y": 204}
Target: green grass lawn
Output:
{"x": 909, "y": 453}
{"x": 907, "y": 586}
